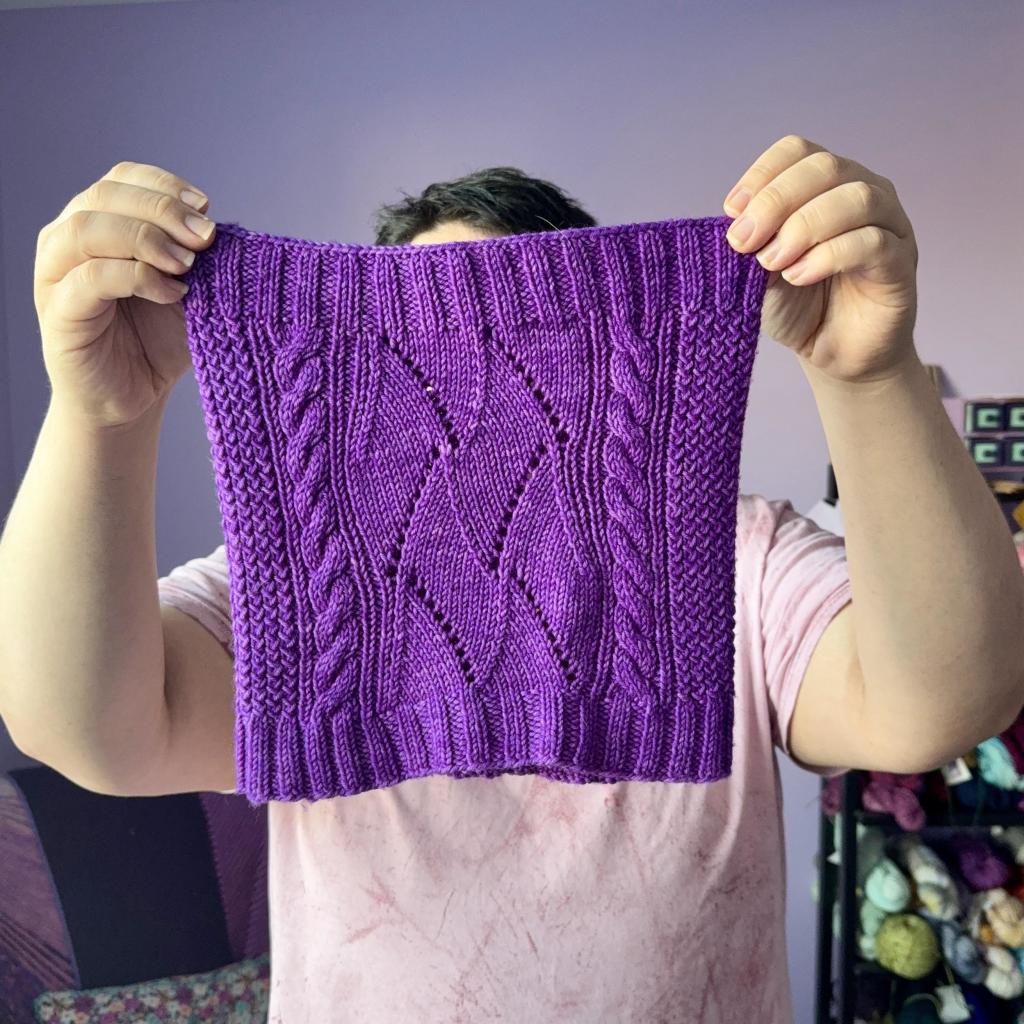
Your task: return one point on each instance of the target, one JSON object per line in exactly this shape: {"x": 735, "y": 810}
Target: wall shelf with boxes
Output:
{"x": 992, "y": 429}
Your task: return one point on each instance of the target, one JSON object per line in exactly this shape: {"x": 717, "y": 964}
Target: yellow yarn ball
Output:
{"x": 907, "y": 946}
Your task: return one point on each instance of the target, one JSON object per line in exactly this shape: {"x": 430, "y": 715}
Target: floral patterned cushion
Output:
{"x": 235, "y": 994}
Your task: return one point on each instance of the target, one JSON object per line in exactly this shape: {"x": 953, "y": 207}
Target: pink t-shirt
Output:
{"x": 520, "y": 898}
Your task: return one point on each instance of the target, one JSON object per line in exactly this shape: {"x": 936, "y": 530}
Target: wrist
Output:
{"x": 906, "y": 368}
{"x": 69, "y": 415}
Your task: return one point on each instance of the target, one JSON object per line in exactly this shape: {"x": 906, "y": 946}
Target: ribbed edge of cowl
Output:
{"x": 562, "y": 735}
{"x": 257, "y": 299}
{"x": 632, "y": 272}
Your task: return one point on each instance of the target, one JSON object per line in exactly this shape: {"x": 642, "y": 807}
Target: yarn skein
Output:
{"x": 979, "y": 864}
{"x": 935, "y": 887}
{"x": 871, "y": 918}
{"x": 907, "y": 946}
{"x": 963, "y": 954}
{"x": 896, "y": 795}
{"x": 921, "y": 1008}
{"x": 997, "y": 766}
{"x": 887, "y": 887}
{"x": 1004, "y": 978}
{"x": 1005, "y": 915}
{"x": 1012, "y": 837}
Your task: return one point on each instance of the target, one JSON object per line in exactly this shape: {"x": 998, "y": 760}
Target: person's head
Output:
{"x": 488, "y": 203}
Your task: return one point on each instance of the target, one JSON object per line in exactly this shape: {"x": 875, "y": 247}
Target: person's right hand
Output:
{"x": 107, "y": 295}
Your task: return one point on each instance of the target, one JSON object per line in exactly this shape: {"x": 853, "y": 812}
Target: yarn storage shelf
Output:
{"x": 840, "y": 968}
{"x": 960, "y": 818}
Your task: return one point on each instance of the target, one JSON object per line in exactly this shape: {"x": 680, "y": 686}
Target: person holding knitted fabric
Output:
{"x": 518, "y": 896}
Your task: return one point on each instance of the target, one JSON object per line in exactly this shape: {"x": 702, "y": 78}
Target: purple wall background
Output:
{"x": 299, "y": 118}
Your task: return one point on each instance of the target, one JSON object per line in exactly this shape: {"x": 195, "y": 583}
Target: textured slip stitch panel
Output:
{"x": 479, "y": 500}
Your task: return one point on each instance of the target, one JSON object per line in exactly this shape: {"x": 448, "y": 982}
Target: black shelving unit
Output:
{"x": 838, "y": 961}
{"x": 838, "y": 882}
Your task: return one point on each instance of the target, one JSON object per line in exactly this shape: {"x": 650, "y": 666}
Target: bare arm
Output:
{"x": 934, "y": 665}
{"x": 926, "y": 661}
{"x": 81, "y": 641}
{"x": 96, "y": 679}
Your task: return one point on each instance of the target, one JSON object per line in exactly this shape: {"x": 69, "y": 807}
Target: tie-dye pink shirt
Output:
{"x": 523, "y": 899}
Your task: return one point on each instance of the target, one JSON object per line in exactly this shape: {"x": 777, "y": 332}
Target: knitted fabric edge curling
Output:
{"x": 361, "y": 400}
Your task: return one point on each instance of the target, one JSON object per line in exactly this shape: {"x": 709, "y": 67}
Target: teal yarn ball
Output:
{"x": 887, "y": 887}
{"x": 996, "y": 765}
{"x": 919, "y": 1009}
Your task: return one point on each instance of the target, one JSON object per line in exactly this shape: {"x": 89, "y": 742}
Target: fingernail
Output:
{"x": 737, "y": 200}
{"x": 770, "y": 253}
{"x": 741, "y": 231}
{"x": 796, "y": 272}
{"x": 202, "y": 226}
{"x": 179, "y": 252}
{"x": 194, "y": 199}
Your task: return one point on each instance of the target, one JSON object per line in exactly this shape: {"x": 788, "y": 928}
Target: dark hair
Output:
{"x": 502, "y": 200}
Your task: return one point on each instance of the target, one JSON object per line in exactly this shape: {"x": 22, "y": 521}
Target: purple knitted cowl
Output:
{"x": 479, "y": 501}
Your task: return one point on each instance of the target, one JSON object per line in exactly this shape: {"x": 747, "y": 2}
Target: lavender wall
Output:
{"x": 301, "y": 117}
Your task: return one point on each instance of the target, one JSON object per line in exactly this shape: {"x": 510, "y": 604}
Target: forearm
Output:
{"x": 81, "y": 642}
{"x": 938, "y": 593}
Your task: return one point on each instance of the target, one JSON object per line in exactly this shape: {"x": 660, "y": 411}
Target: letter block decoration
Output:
{"x": 984, "y": 417}
{"x": 1014, "y": 415}
{"x": 986, "y": 451}
{"x": 994, "y": 431}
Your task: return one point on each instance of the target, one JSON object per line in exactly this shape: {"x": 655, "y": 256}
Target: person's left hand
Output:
{"x": 852, "y": 314}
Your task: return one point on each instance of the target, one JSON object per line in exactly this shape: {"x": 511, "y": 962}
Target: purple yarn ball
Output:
{"x": 980, "y": 866}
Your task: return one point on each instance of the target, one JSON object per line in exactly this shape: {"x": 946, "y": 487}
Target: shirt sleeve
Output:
{"x": 201, "y": 589}
{"x": 804, "y": 584}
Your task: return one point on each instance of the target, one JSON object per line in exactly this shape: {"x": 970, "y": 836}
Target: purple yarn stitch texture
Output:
{"x": 479, "y": 501}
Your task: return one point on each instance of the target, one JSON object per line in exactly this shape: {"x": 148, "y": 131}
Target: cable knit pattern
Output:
{"x": 479, "y": 501}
